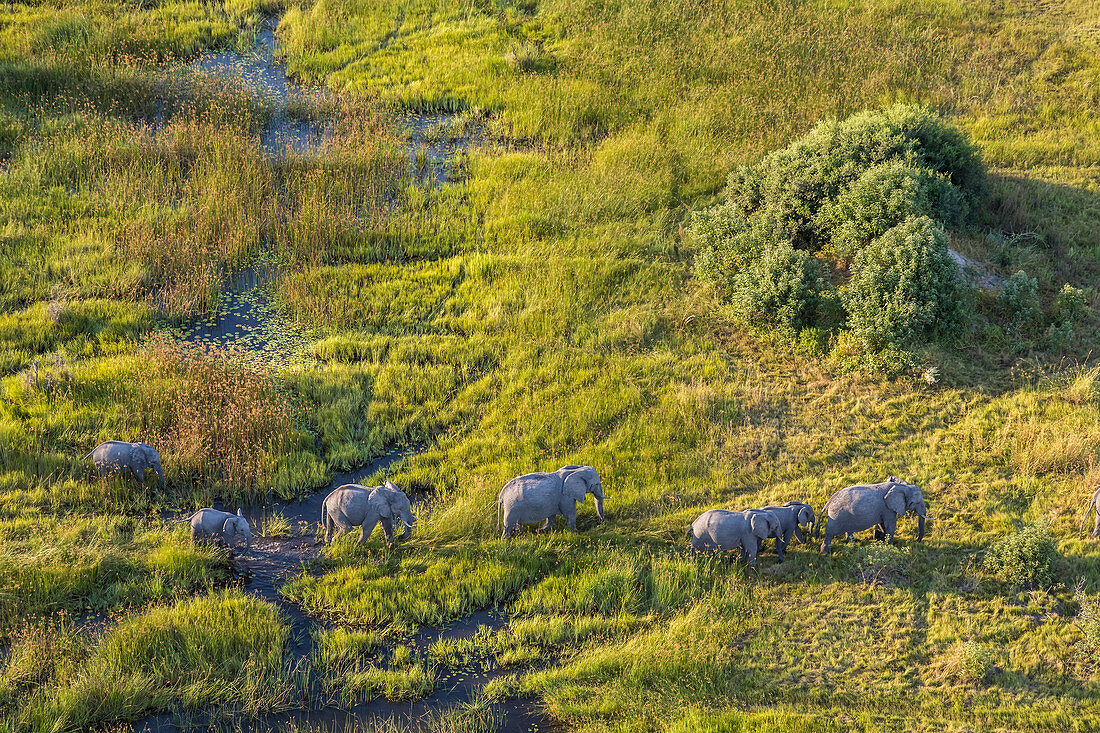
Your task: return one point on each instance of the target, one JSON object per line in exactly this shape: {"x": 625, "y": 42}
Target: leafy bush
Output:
{"x": 885, "y": 196}
{"x": 1024, "y": 558}
{"x": 782, "y": 287}
{"x": 1018, "y": 303}
{"x": 905, "y": 287}
{"x": 879, "y": 562}
{"x": 976, "y": 661}
{"x": 795, "y": 183}
{"x": 1071, "y": 305}
{"x": 885, "y": 181}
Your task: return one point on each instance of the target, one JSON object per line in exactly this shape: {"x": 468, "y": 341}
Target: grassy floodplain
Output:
{"x": 539, "y": 309}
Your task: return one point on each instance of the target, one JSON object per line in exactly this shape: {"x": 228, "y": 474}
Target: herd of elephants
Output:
{"x": 538, "y": 498}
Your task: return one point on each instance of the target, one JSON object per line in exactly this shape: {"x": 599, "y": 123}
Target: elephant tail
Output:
{"x": 823, "y": 515}
{"x": 87, "y": 456}
{"x": 498, "y": 514}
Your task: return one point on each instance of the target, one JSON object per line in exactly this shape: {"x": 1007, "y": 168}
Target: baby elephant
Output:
{"x": 792, "y": 516}
{"x": 211, "y": 524}
{"x": 128, "y": 459}
{"x": 352, "y": 505}
{"x": 721, "y": 529}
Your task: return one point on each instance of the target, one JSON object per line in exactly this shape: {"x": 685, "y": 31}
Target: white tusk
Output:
{"x": 407, "y": 524}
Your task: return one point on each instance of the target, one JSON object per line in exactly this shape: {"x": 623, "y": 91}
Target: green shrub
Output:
{"x": 782, "y": 287}
{"x": 795, "y": 183}
{"x": 885, "y": 196}
{"x": 1018, "y": 303}
{"x": 976, "y": 661}
{"x": 905, "y": 287}
{"x": 1071, "y": 305}
{"x": 1024, "y": 558}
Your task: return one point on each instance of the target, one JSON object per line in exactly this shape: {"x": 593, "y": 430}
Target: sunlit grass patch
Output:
{"x": 431, "y": 588}
{"x": 220, "y": 649}
{"x": 98, "y": 564}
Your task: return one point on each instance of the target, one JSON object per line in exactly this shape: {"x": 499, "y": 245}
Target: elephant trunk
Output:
{"x": 160, "y": 474}
{"x": 920, "y": 527}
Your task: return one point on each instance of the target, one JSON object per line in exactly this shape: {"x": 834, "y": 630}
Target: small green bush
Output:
{"x": 1018, "y": 303}
{"x": 1071, "y": 306}
{"x": 1024, "y": 558}
{"x": 976, "y": 661}
{"x": 905, "y": 287}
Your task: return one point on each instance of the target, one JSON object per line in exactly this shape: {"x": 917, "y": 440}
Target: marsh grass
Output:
{"x": 220, "y": 648}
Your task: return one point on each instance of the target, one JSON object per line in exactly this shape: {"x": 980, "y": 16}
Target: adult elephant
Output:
{"x": 539, "y": 497}
{"x": 792, "y": 516}
{"x": 128, "y": 459}
{"x": 725, "y": 530}
{"x": 211, "y": 524}
{"x": 352, "y": 505}
{"x": 860, "y": 507}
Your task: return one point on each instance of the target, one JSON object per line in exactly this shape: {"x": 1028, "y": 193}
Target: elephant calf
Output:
{"x": 211, "y": 524}
{"x": 724, "y": 530}
{"x": 860, "y": 507}
{"x": 792, "y": 516}
{"x": 352, "y": 505}
{"x": 129, "y": 459}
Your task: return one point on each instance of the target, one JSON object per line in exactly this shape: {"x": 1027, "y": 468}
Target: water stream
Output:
{"x": 248, "y": 320}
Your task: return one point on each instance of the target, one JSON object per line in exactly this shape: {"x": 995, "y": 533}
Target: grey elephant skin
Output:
{"x": 539, "y": 497}
{"x": 1094, "y": 506}
{"x": 725, "y": 530}
{"x": 212, "y": 524}
{"x": 792, "y": 517}
{"x": 352, "y": 505}
{"x": 128, "y": 459}
{"x": 863, "y": 506}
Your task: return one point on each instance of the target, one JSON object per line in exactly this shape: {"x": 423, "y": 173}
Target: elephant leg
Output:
{"x": 546, "y": 525}
{"x": 571, "y": 517}
{"x": 889, "y": 527}
{"x": 387, "y": 529}
{"x": 368, "y": 527}
{"x": 780, "y": 548}
{"x": 880, "y": 532}
{"x": 1096, "y": 527}
{"x": 827, "y": 544}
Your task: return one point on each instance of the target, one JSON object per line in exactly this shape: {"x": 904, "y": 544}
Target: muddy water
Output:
{"x": 249, "y": 321}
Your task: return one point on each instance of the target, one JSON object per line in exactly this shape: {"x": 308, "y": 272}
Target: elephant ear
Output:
{"x": 381, "y": 504}
{"x": 895, "y": 501}
{"x": 805, "y": 515}
{"x": 574, "y": 487}
{"x": 229, "y": 528}
{"x": 760, "y": 526}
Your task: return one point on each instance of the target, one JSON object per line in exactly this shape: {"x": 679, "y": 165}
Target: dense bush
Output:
{"x": 1024, "y": 558}
{"x": 905, "y": 287}
{"x": 873, "y": 190}
{"x": 883, "y": 197}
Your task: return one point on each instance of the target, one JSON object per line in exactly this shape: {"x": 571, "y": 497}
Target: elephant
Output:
{"x": 352, "y": 505}
{"x": 863, "y": 506}
{"x": 207, "y": 524}
{"x": 539, "y": 497}
{"x": 792, "y": 516}
{"x": 722, "y": 529}
{"x": 1094, "y": 506}
{"x": 129, "y": 459}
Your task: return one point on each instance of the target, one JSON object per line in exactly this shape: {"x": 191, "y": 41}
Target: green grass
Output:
{"x": 539, "y": 310}
{"x": 220, "y": 648}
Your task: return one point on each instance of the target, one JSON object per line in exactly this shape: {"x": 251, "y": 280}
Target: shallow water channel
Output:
{"x": 248, "y": 320}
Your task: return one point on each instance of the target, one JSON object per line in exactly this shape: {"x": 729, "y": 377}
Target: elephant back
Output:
{"x": 526, "y": 486}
